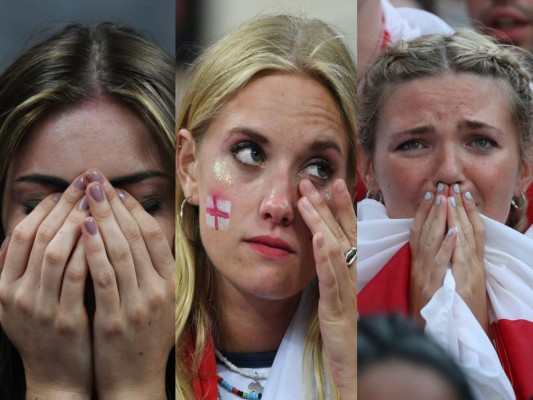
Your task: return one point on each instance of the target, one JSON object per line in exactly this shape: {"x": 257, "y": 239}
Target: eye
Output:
{"x": 320, "y": 168}
{"x": 483, "y": 143}
{"x": 411, "y": 145}
{"x": 152, "y": 205}
{"x": 248, "y": 153}
{"x": 29, "y": 205}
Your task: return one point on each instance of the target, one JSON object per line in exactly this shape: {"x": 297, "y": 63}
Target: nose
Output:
{"x": 279, "y": 200}
{"x": 449, "y": 165}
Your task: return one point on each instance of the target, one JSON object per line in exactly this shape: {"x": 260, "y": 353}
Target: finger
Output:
{"x": 329, "y": 221}
{"x": 477, "y": 225}
{"x": 156, "y": 243}
{"x": 73, "y": 288}
{"x": 458, "y": 214}
{"x": 3, "y": 253}
{"x": 22, "y": 239}
{"x": 442, "y": 258}
{"x": 327, "y": 279}
{"x": 418, "y": 228}
{"x": 58, "y": 252}
{"x": 49, "y": 227}
{"x": 102, "y": 273}
{"x": 345, "y": 210}
{"x": 116, "y": 246}
{"x": 434, "y": 227}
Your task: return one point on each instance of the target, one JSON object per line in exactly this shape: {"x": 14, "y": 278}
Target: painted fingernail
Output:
{"x": 468, "y": 196}
{"x": 440, "y": 187}
{"x": 90, "y": 226}
{"x": 456, "y": 189}
{"x": 95, "y": 176}
{"x": 308, "y": 207}
{"x": 80, "y": 183}
{"x": 450, "y": 232}
{"x": 83, "y": 204}
{"x": 120, "y": 193}
{"x": 454, "y": 203}
{"x": 328, "y": 195}
{"x": 56, "y": 196}
{"x": 97, "y": 193}
{"x": 4, "y": 243}
{"x": 437, "y": 202}
{"x": 427, "y": 196}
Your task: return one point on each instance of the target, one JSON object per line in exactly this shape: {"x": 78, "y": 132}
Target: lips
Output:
{"x": 507, "y": 23}
{"x": 270, "y": 246}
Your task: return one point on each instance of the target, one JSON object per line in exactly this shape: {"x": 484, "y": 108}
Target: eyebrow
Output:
{"x": 417, "y": 130}
{"x": 318, "y": 145}
{"x": 471, "y": 124}
{"x": 50, "y": 180}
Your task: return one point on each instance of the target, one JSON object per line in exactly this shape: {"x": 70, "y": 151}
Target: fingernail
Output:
{"x": 440, "y": 187}
{"x": 56, "y": 196}
{"x": 90, "y": 226}
{"x": 437, "y": 202}
{"x": 457, "y": 229}
{"x": 456, "y": 188}
{"x": 450, "y": 232}
{"x": 97, "y": 193}
{"x": 308, "y": 207}
{"x": 80, "y": 183}
{"x": 120, "y": 193}
{"x": 468, "y": 196}
{"x": 427, "y": 196}
{"x": 83, "y": 204}
{"x": 95, "y": 176}
{"x": 454, "y": 203}
{"x": 320, "y": 242}
{"x": 4, "y": 243}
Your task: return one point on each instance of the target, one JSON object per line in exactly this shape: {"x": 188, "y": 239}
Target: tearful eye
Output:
{"x": 483, "y": 143}
{"x": 411, "y": 145}
{"x": 248, "y": 153}
{"x": 320, "y": 168}
{"x": 29, "y": 205}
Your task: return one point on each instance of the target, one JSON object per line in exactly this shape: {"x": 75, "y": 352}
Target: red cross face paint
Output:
{"x": 217, "y": 213}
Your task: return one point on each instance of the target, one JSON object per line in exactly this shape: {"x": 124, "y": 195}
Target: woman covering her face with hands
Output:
{"x": 87, "y": 185}
{"x": 266, "y": 162}
{"x": 445, "y": 148}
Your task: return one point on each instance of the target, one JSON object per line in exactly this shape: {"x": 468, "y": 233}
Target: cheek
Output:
{"x": 217, "y": 210}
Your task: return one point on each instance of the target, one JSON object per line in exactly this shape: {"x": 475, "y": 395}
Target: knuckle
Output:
{"x": 21, "y": 233}
{"x": 53, "y": 257}
{"x": 23, "y": 305}
{"x": 66, "y": 324}
{"x": 114, "y": 327}
{"x": 338, "y": 232}
{"x": 131, "y": 232}
{"x": 153, "y": 233}
{"x": 104, "y": 212}
{"x": 121, "y": 253}
{"x": 44, "y": 315}
{"x": 157, "y": 298}
{"x": 105, "y": 279}
{"x": 137, "y": 315}
{"x": 45, "y": 233}
{"x": 74, "y": 275}
{"x": 70, "y": 197}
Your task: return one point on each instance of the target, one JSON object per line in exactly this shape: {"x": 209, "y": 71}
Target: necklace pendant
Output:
{"x": 255, "y": 387}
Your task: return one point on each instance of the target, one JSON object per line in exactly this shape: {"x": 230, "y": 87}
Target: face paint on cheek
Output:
{"x": 220, "y": 170}
{"x": 217, "y": 212}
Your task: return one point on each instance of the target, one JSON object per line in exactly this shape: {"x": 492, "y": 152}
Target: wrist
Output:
{"x": 149, "y": 391}
{"x": 43, "y": 392}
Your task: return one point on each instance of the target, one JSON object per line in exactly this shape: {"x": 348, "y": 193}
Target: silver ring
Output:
{"x": 350, "y": 256}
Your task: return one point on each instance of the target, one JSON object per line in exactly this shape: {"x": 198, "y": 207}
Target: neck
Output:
{"x": 251, "y": 325}
{"x": 368, "y": 33}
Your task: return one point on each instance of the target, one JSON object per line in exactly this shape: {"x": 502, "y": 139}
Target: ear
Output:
{"x": 366, "y": 168}
{"x": 526, "y": 175}
{"x": 186, "y": 161}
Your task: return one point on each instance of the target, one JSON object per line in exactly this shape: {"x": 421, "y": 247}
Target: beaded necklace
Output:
{"x": 232, "y": 389}
{"x": 255, "y": 387}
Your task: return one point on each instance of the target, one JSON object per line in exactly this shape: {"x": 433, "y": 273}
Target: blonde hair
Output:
{"x": 435, "y": 55}
{"x": 275, "y": 44}
{"x": 77, "y": 64}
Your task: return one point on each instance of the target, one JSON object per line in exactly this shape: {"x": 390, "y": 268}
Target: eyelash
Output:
{"x": 489, "y": 142}
{"x": 251, "y": 149}
{"x": 29, "y": 206}
{"x": 405, "y": 146}
{"x": 152, "y": 205}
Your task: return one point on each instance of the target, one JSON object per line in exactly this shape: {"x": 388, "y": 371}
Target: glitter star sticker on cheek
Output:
{"x": 217, "y": 213}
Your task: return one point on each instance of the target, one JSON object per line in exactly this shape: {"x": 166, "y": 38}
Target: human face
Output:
{"x": 277, "y": 131}
{"x": 508, "y": 21}
{"x": 443, "y": 129}
{"x": 98, "y": 134}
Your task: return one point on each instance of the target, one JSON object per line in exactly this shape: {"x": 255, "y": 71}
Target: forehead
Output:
{"x": 447, "y": 98}
{"x": 284, "y": 107}
{"x": 99, "y": 134}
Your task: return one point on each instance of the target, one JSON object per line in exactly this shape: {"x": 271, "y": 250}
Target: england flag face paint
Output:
{"x": 217, "y": 213}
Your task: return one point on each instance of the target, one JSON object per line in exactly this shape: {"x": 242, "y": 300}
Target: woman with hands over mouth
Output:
{"x": 266, "y": 162}
{"x": 86, "y": 265}
{"x": 445, "y": 149}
